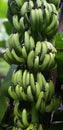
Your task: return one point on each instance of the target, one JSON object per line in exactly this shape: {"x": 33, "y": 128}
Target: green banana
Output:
{"x": 36, "y": 63}
{"x": 47, "y": 92}
{"x": 44, "y": 65}
{"x": 29, "y": 94}
{"x": 27, "y": 41}
{"x": 16, "y": 110}
{"x": 12, "y": 93}
{"x": 57, "y": 102}
{"x": 53, "y": 32}
{"x": 31, "y": 4}
{"x": 42, "y": 106}
{"x": 38, "y": 49}
{"x": 38, "y": 2}
{"x": 52, "y": 24}
{"x": 27, "y": 79}
{"x": 44, "y": 50}
{"x": 22, "y": 25}
{"x": 37, "y": 19}
{"x": 8, "y": 53}
{"x": 16, "y": 22}
{"x": 51, "y": 90}
{"x": 24, "y": 8}
{"x": 17, "y": 59}
{"x": 37, "y": 90}
{"x": 40, "y": 98}
{"x": 24, "y": 78}
{"x": 52, "y": 62}
{"x": 25, "y": 118}
{"x": 39, "y": 80}
{"x": 20, "y": 2}
{"x": 47, "y": 18}
{"x": 49, "y": 107}
{"x": 40, "y": 127}
{"x": 30, "y": 59}
{"x": 32, "y": 43}
{"x": 20, "y": 124}
{"x": 32, "y": 82}
{"x": 23, "y": 94}
{"x": 33, "y": 19}
{"x": 24, "y": 52}
{"x": 17, "y": 90}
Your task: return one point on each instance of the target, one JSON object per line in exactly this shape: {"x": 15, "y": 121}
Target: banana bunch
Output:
{"x": 31, "y": 88}
{"x": 53, "y": 105}
{"x": 34, "y": 22}
{"x": 33, "y": 15}
{"x": 42, "y": 54}
{"x": 39, "y": 16}
{"x": 21, "y": 116}
{"x": 31, "y": 127}
{"x": 55, "y": 2}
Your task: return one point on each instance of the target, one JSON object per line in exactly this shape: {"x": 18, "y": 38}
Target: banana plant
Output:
{"x": 32, "y": 50}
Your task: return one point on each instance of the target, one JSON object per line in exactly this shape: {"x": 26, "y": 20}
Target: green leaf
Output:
{"x": 59, "y": 41}
{"x": 3, "y": 8}
{"x": 3, "y": 106}
{"x": 8, "y": 27}
{"x": 59, "y": 60}
{"x": 4, "y": 67}
{"x": 7, "y": 81}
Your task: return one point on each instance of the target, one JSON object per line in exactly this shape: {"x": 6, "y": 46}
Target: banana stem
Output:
{"x": 34, "y": 114}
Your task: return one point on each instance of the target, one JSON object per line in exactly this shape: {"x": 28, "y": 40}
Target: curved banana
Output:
{"x": 49, "y": 107}
{"x": 30, "y": 59}
{"x": 17, "y": 90}
{"x": 39, "y": 100}
{"x": 27, "y": 41}
{"x": 25, "y": 118}
{"x": 42, "y": 106}
{"x": 27, "y": 79}
{"x": 32, "y": 43}
{"x": 45, "y": 63}
{"x": 31, "y": 4}
{"x": 51, "y": 90}
{"x": 24, "y": 8}
{"x": 44, "y": 50}
{"x": 39, "y": 80}
{"x": 8, "y": 53}
{"x": 12, "y": 93}
{"x": 16, "y": 22}
{"x": 33, "y": 19}
{"x": 38, "y": 2}
{"x": 40, "y": 127}
{"x": 29, "y": 94}
{"x": 36, "y": 63}
{"x": 22, "y": 24}
{"x": 41, "y": 18}
{"x": 24, "y": 52}
{"x": 32, "y": 82}
{"x": 23, "y": 94}
{"x": 47, "y": 92}
{"x": 20, "y": 2}
{"x": 38, "y": 49}
{"x": 24, "y": 78}
{"x": 37, "y": 90}
{"x": 16, "y": 110}
{"x": 37, "y": 19}
{"x": 52, "y": 24}
{"x": 47, "y": 17}
{"x": 17, "y": 59}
